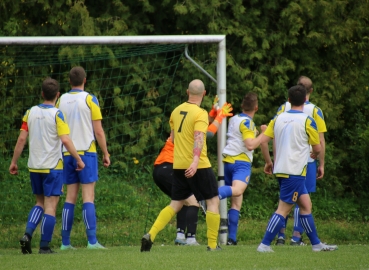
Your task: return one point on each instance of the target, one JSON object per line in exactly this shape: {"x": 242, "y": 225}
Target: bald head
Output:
{"x": 196, "y": 88}
{"x": 305, "y": 81}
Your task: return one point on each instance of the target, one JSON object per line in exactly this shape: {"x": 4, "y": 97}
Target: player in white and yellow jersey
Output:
{"x": 192, "y": 170}
{"x": 314, "y": 171}
{"x": 84, "y": 117}
{"x": 238, "y": 156}
{"x": 293, "y": 132}
{"x": 47, "y": 131}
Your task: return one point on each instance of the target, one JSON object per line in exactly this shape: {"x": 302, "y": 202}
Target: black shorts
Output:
{"x": 203, "y": 185}
{"x": 163, "y": 177}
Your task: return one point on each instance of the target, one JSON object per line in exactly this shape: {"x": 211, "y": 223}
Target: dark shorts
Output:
{"x": 203, "y": 185}
{"x": 48, "y": 184}
{"x": 311, "y": 177}
{"x": 163, "y": 177}
{"x": 89, "y": 174}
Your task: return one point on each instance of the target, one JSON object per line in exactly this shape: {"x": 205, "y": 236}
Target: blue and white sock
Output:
{"x": 34, "y": 218}
{"x": 297, "y": 227}
{"x": 47, "y": 229}
{"x": 67, "y": 222}
{"x": 89, "y": 218}
{"x": 307, "y": 222}
{"x": 224, "y": 192}
{"x": 233, "y": 217}
{"x": 275, "y": 224}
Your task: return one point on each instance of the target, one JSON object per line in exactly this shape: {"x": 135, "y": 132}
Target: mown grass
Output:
{"x": 192, "y": 257}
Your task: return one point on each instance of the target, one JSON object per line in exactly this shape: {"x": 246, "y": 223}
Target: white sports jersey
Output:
{"x": 44, "y": 142}
{"x": 235, "y": 143}
{"x": 294, "y": 132}
{"x": 78, "y": 116}
{"x": 313, "y": 111}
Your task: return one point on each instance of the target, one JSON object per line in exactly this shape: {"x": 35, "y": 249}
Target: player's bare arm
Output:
{"x": 101, "y": 140}
{"x": 21, "y": 142}
{"x": 320, "y": 169}
{"x": 199, "y": 138}
{"x": 67, "y": 142}
{"x": 264, "y": 140}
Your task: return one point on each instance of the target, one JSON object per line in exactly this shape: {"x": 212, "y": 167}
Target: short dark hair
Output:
{"x": 297, "y": 95}
{"x": 50, "y": 88}
{"x": 77, "y": 76}
{"x": 250, "y": 100}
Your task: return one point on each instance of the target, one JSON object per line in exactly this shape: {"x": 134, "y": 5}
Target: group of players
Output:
{"x": 183, "y": 171}
{"x": 73, "y": 125}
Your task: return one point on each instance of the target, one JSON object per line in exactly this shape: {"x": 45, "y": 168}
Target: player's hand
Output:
{"x": 263, "y": 128}
{"x": 213, "y": 113}
{"x": 313, "y": 155}
{"x": 13, "y": 169}
{"x": 320, "y": 172}
{"x": 224, "y": 112}
{"x": 106, "y": 160}
{"x": 80, "y": 165}
{"x": 190, "y": 172}
{"x": 268, "y": 168}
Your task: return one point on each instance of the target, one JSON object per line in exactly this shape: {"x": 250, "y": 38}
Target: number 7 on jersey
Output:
{"x": 184, "y": 116}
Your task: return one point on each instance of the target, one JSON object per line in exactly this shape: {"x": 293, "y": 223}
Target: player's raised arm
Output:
{"x": 222, "y": 113}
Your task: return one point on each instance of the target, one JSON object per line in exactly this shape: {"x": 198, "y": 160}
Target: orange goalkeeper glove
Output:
{"x": 213, "y": 113}
{"x": 224, "y": 112}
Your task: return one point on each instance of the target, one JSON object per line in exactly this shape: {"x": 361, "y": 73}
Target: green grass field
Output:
{"x": 191, "y": 257}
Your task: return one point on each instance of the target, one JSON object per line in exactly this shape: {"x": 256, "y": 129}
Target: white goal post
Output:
{"x": 183, "y": 39}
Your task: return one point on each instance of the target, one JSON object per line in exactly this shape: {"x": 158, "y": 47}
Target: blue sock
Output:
{"x": 282, "y": 231}
{"x": 67, "y": 222}
{"x": 47, "y": 229}
{"x": 307, "y": 222}
{"x": 275, "y": 224}
{"x": 233, "y": 217}
{"x": 89, "y": 218}
{"x": 297, "y": 227}
{"x": 224, "y": 192}
{"x": 34, "y": 218}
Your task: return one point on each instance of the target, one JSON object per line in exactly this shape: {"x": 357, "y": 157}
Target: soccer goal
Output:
{"x": 138, "y": 80}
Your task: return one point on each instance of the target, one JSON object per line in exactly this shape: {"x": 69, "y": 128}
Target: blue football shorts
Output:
{"x": 88, "y": 175}
{"x": 240, "y": 170}
{"x": 48, "y": 184}
{"x": 291, "y": 188}
{"x": 311, "y": 176}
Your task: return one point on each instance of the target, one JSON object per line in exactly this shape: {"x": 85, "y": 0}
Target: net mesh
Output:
{"x": 137, "y": 86}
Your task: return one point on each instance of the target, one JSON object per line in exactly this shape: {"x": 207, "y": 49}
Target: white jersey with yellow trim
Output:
{"x": 235, "y": 138}
{"x": 45, "y": 124}
{"x": 80, "y": 109}
{"x": 294, "y": 132}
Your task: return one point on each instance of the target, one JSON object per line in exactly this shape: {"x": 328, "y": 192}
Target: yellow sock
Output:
{"x": 212, "y": 222}
{"x": 161, "y": 221}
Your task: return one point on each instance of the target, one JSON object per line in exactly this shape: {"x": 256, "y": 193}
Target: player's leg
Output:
{"x": 240, "y": 171}
{"x": 233, "y": 217}
{"x": 163, "y": 178}
{"x": 180, "y": 191}
{"x": 310, "y": 184}
{"x": 48, "y": 224}
{"x": 289, "y": 190}
{"x": 71, "y": 180}
{"x": 307, "y": 221}
{"x": 35, "y": 215}
{"x": 204, "y": 186}
{"x": 52, "y": 184}
{"x": 68, "y": 215}
{"x": 192, "y": 217}
{"x": 274, "y": 225}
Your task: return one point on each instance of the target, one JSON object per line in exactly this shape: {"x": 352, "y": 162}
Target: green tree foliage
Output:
{"x": 269, "y": 45}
